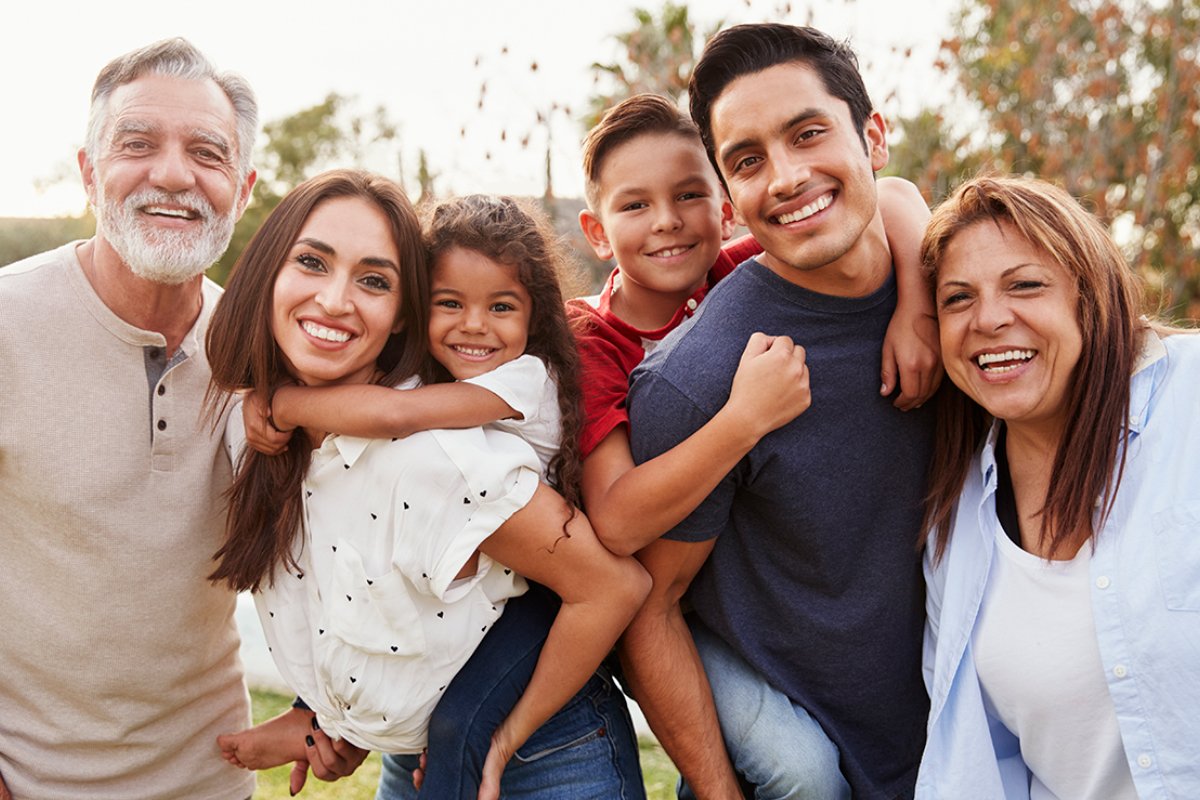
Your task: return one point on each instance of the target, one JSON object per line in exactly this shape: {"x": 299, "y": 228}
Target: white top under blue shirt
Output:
{"x": 1145, "y": 592}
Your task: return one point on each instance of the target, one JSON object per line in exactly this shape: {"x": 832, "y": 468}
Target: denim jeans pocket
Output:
{"x": 578, "y": 722}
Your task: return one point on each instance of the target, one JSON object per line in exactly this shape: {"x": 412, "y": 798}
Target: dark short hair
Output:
{"x": 746, "y": 49}
{"x": 635, "y": 116}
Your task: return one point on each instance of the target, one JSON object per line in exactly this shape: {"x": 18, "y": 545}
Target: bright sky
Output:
{"x": 424, "y": 61}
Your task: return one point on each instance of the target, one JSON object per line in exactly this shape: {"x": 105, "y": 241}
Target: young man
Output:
{"x": 808, "y": 612}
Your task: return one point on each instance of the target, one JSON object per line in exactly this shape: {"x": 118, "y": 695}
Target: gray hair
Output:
{"x": 176, "y": 58}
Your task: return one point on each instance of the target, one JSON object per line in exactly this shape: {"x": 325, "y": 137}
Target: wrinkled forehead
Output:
{"x": 160, "y": 104}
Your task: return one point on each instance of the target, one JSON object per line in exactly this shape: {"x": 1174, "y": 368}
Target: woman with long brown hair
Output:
{"x": 378, "y": 565}
{"x": 1063, "y": 552}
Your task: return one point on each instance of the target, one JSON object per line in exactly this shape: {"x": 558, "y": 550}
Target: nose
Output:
{"x": 473, "y": 320}
{"x": 171, "y": 170}
{"x": 666, "y": 218}
{"x": 789, "y": 172}
{"x": 992, "y": 313}
{"x": 334, "y": 297}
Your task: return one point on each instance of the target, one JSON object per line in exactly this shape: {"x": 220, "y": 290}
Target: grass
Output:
{"x": 657, "y": 770}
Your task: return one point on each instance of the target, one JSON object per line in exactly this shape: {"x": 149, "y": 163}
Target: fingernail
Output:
{"x": 308, "y": 740}
{"x": 315, "y": 725}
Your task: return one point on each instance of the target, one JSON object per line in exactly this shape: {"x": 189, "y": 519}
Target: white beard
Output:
{"x": 162, "y": 255}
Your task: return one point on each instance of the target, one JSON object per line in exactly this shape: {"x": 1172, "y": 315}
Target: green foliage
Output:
{"x": 20, "y": 238}
{"x": 1099, "y": 95}
{"x": 657, "y": 56}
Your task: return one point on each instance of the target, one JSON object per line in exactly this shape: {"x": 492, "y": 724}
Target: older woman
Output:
{"x": 1063, "y": 644}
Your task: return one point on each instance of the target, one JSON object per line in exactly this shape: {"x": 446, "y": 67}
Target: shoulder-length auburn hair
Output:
{"x": 265, "y": 505}
{"x": 509, "y": 232}
{"x": 1090, "y": 460}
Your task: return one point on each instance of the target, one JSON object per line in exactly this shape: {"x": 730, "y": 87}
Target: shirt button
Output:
{"x": 1120, "y": 671}
{"x": 1144, "y": 761}
{"x": 161, "y": 390}
{"x": 162, "y": 424}
{"x": 691, "y": 304}
{"x": 1103, "y": 582}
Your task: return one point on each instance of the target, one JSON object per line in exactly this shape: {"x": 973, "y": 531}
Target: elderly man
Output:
{"x": 119, "y": 658}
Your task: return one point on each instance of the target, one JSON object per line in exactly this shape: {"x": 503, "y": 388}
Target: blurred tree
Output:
{"x": 22, "y": 237}
{"x": 296, "y": 147}
{"x": 1102, "y": 96}
{"x": 425, "y": 178}
{"x": 657, "y": 56}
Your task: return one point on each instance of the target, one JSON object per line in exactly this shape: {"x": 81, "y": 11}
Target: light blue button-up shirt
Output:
{"x": 1145, "y": 579}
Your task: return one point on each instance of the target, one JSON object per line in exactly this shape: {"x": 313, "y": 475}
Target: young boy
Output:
{"x": 655, "y": 204}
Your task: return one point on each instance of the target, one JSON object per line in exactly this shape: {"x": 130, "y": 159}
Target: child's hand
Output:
{"x": 418, "y": 776}
{"x": 771, "y": 387}
{"x": 911, "y": 352}
{"x": 261, "y": 434}
{"x": 330, "y": 759}
{"x": 493, "y": 767}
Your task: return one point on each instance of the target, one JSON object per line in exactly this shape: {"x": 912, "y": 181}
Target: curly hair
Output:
{"x": 516, "y": 234}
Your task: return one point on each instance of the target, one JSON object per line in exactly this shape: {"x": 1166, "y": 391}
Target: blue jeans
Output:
{"x": 775, "y": 745}
{"x": 587, "y": 751}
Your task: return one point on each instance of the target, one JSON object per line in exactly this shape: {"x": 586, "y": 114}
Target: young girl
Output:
{"x": 409, "y": 548}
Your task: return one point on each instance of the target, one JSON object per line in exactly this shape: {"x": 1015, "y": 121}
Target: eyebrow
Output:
{"x": 1003, "y": 274}
{"x": 134, "y": 126}
{"x": 128, "y": 126}
{"x": 370, "y": 261}
{"x": 453, "y": 291}
{"x": 213, "y": 138}
{"x": 638, "y": 191}
{"x": 750, "y": 141}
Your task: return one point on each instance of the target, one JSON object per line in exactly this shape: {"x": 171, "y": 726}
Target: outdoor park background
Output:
{"x": 1102, "y": 96}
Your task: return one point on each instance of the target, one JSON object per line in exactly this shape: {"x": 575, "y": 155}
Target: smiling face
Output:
{"x": 337, "y": 296}
{"x": 662, "y": 214}
{"x": 480, "y": 315}
{"x": 1010, "y": 334}
{"x": 164, "y": 181}
{"x": 798, "y": 172}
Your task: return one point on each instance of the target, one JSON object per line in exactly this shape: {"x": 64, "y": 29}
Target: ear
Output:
{"x": 593, "y": 231}
{"x": 875, "y": 135}
{"x": 399, "y": 326}
{"x": 87, "y": 171}
{"x": 244, "y": 193}
{"x": 726, "y": 220}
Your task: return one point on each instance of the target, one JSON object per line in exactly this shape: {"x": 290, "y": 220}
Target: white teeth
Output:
{"x": 670, "y": 251}
{"x": 321, "y": 332}
{"x": 820, "y": 204}
{"x": 180, "y": 213}
{"x": 985, "y": 359}
{"x": 478, "y": 352}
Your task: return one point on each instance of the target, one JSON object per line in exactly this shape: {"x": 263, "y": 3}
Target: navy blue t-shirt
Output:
{"x": 815, "y": 578}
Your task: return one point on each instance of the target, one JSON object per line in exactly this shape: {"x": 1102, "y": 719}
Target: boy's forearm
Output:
{"x": 377, "y": 412}
{"x": 651, "y": 498}
{"x": 905, "y": 216}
